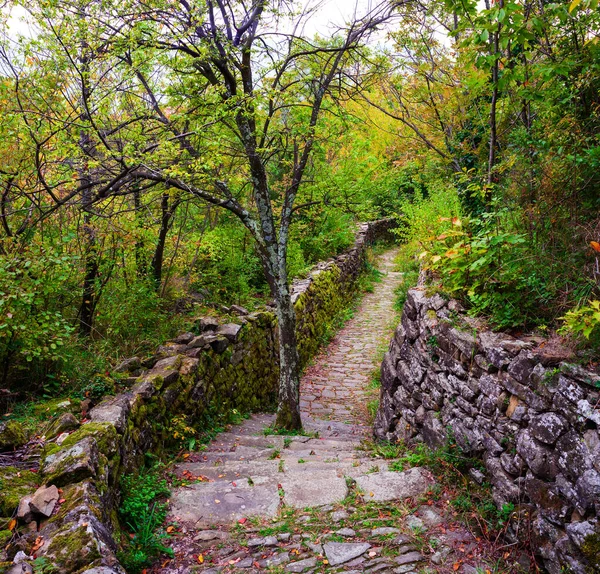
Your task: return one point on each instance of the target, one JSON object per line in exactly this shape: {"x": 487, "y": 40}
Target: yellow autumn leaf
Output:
{"x": 200, "y": 559}
{"x": 574, "y": 5}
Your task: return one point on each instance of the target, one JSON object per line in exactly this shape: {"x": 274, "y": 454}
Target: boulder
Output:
{"x": 12, "y": 435}
{"x": 63, "y": 423}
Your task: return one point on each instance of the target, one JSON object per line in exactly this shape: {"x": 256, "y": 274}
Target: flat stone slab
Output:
{"x": 385, "y": 486}
{"x": 342, "y": 552}
{"x": 302, "y": 490}
{"x": 301, "y": 565}
{"x": 221, "y": 503}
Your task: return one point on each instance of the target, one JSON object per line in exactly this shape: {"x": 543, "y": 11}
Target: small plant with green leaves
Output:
{"x": 143, "y": 511}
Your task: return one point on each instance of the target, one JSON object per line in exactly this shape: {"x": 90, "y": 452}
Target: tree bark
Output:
{"x": 167, "y": 211}
{"x": 288, "y": 408}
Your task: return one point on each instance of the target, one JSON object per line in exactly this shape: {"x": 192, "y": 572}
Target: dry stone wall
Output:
{"x": 532, "y": 416}
{"x": 219, "y": 367}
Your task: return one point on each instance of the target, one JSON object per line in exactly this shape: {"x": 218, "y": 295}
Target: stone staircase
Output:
{"x": 245, "y": 472}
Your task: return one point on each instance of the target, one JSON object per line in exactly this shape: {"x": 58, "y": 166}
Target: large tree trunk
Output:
{"x": 288, "y": 408}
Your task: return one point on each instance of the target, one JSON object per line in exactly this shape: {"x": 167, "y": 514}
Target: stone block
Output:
{"x": 72, "y": 464}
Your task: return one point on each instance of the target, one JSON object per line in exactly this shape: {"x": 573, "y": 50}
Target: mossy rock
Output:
{"x": 12, "y": 435}
{"x": 14, "y": 485}
{"x": 72, "y": 549}
{"x": 591, "y": 550}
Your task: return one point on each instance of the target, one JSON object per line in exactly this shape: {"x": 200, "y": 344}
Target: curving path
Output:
{"x": 335, "y": 387}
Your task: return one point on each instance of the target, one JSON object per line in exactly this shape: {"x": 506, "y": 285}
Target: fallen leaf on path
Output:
{"x": 200, "y": 559}
{"x": 12, "y": 524}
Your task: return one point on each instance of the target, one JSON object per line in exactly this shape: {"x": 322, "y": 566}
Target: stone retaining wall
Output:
{"x": 220, "y": 367}
{"x": 532, "y": 417}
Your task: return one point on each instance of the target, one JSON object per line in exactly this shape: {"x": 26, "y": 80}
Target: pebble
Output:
{"x": 415, "y": 523}
{"x": 347, "y": 532}
{"x": 384, "y": 531}
{"x": 339, "y": 515}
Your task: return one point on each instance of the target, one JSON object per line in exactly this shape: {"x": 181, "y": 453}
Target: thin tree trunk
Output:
{"x": 141, "y": 260}
{"x": 167, "y": 212}
{"x": 288, "y": 408}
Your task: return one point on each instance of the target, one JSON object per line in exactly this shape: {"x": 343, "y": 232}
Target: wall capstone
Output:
{"x": 518, "y": 404}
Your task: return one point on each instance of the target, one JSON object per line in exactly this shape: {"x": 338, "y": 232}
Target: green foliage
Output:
{"x": 143, "y": 512}
{"x": 33, "y": 331}
{"x": 585, "y": 320}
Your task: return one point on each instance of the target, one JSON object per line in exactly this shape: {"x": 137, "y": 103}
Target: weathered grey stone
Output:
{"x": 205, "y": 324}
{"x": 129, "y": 365}
{"x": 384, "y": 531}
{"x": 239, "y": 310}
{"x": 184, "y": 338}
{"x": 409, "y": 558}
{"x": 44, "y": 500}
{"x": 222, "y": 503}
{"x": 24, "y": 512}
{"x": 573, "y": 456}
{"x": 199, "y": 342}
{"x": 219, "y": 343}
{"x": 207, "y": 535}
{"x": 339, "y": 515}
{"x": 63, "y": 423}
{"x": 541, "y": 459}
{"x": 588, "y": 488}
{"x": 230, "y": 331}
{"x": 548, "y": 427}
{"x": 395, "y": 485}
{"x": 346, "y": 532}
{"x": 301, "y": 565}
{"x": 342, "y": 552}
{"x": 324, "y": 487}
{"x": 72, "y": 464}
{"x": 114, "y": 410}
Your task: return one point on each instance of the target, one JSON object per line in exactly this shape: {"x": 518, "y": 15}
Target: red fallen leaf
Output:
{"x": 62, "y": 500}
{"x": 234, "y": 484}
{"x": 595, "y": 246}
{"x": 256, "y": 564}
{"x": 242, "y": 521}
{"x": 456, "y": 566}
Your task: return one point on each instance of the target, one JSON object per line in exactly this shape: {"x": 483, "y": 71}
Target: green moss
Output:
{"x": 73, "y": 550}
{"x": 14, "y": 485}
{"x": 104, "y": 434}
{"x": 591, "y": 549}
{"x": 5, "y": 536}
{"x": 12, "y": 435}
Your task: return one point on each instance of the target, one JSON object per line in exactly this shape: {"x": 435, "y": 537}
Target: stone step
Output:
{"x": 222, "y": 502}
{"x": 233, "y": 470}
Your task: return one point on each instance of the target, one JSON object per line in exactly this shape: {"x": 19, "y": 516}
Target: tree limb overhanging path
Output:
{"x": 247, "y": 499}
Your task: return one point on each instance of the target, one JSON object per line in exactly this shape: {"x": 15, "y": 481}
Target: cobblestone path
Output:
{"x": 335, "y": 387}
